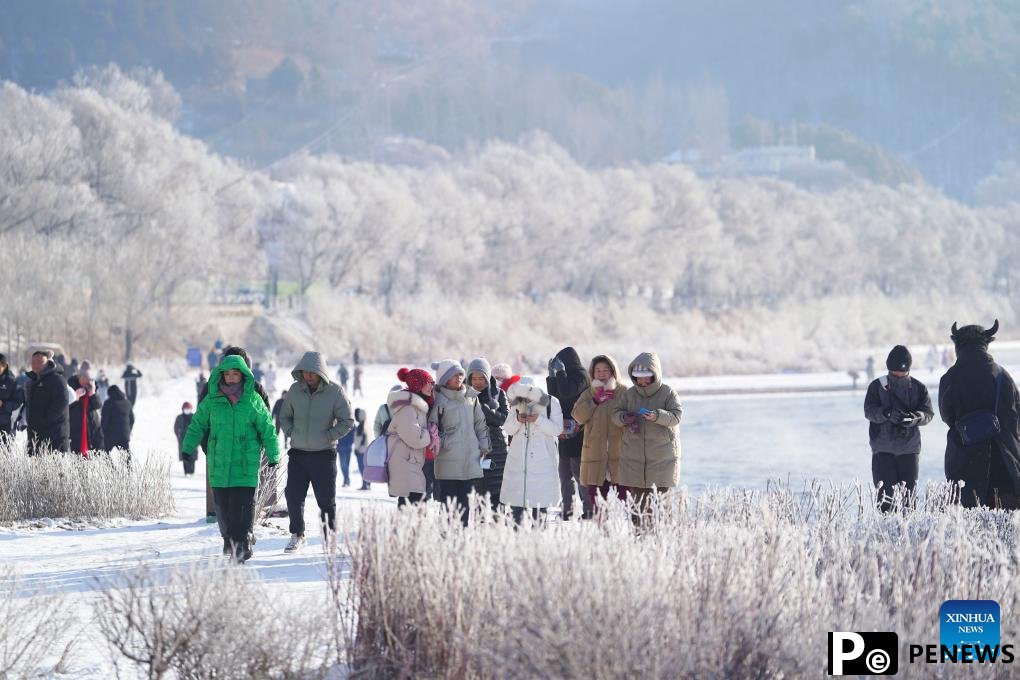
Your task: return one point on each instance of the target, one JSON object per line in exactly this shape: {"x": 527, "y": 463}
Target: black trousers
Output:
{"x": 570, "y": 472}
{"x": 456, "y": 492}
{"x": 189, "y": 462}
{"x": 238, "y": 504}
{"x": 37, "y": 444}
{"x": 431, "y": 490}
{"x": 112, "y": 444}
{"x": 319, "y": 469}
{"x": 889, "y": 470}
{"x": 518, "y": 514}
{"x": 411, "y": 499}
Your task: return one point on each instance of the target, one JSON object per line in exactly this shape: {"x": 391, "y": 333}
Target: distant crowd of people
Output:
{"x": 64, "y": 407}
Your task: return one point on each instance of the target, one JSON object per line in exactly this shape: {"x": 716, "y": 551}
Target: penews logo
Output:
{"x": 863, "y": 653}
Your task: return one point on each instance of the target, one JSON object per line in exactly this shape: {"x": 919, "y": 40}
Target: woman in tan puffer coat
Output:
{"x": 649, "y": 414}
{"x": 603, "y": 439}
{"x": 409, "y": 435}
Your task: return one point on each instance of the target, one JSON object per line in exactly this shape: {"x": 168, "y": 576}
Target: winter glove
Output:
{"x": 271, "y": 464}
{"x": 556, "y": 366}
{"x": 435, "y": 442}
{"x": 887, "y": 414}
{"x": 911, "y": 419}
{"x": 631, "y": 421}
{"x": 901, "y": 418}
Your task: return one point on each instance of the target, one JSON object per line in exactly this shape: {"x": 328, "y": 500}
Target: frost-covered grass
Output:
{"x": 67, "y": 486}
{"x": 729, "y": 584}
{"x": 38, "y": 631}
{"x": 214, "y": 621}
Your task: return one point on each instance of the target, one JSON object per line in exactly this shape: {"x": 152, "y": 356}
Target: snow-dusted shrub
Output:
{"x": 66, "y": 485}
{"x": 269, "y": 492}
{"x": 214, "y": 621}
{"x": 37, "y": 629}
{"x": 728, "y": 584}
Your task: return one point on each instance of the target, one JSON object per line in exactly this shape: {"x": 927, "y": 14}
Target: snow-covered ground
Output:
{"x": 741, "y": 440}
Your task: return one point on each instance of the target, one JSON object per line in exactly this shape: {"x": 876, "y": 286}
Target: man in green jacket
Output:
{"x": 239, "y": 426}
{"x": 315, "y": 415}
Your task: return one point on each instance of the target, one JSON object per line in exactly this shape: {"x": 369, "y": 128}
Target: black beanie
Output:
{"x": 899, "y": 359}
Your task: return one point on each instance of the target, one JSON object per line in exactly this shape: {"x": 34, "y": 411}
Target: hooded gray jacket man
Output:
{"x": 315, "y": 420}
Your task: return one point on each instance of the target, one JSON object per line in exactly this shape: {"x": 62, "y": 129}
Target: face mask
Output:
{"x": 188, "y": 411}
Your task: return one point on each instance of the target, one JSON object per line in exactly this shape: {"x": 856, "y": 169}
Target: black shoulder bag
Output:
{"x": 978, "y": 427}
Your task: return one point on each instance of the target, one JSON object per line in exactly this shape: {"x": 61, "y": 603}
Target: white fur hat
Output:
{"x": 526, "y": 390}
{"x": 502, "y": 372}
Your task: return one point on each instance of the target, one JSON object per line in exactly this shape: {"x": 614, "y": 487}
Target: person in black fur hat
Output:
{"x": 989, "y": 469}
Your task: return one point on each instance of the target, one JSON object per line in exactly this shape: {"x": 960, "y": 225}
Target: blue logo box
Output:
{"x": 969, "y": 622}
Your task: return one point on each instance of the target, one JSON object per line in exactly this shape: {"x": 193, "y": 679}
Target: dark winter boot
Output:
{"x": 227, "y": 549}
{"x": 242, "y": 551}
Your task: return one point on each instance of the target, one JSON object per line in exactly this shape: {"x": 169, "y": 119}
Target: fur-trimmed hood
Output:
{"x": 620, "y": 379}
{"x": 525, "y": 390}
{"x": 400, "y": 398}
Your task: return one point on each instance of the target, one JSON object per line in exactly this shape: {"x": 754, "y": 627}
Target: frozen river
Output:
{"x": 748, "y": 440}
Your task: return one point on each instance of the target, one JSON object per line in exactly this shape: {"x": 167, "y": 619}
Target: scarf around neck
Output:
{"x": 232, "y": 392}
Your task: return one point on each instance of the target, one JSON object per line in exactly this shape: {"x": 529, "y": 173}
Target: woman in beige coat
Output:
{"x": 649, "y": 414}
{"x": 603, "y": 439}
{"x": 409, "y": 434}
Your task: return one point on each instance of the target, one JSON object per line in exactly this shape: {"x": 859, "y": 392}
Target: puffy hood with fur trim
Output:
{"x": 400, "y": 398}
{"x": 526, "y": 390}
{"x": 605, "y": 358}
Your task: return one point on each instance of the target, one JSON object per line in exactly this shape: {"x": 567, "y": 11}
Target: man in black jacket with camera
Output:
{"x": 896, "y": 406}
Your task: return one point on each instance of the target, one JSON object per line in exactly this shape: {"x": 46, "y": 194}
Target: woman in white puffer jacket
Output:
{"x": 531, "y": 476}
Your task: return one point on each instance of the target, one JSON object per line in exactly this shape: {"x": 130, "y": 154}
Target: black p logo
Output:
{"x": 863, "y": 653}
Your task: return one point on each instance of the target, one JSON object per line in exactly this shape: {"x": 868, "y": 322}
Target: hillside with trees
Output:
{"x": 123, "y": 226}
{"x": 932, "y": 87}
